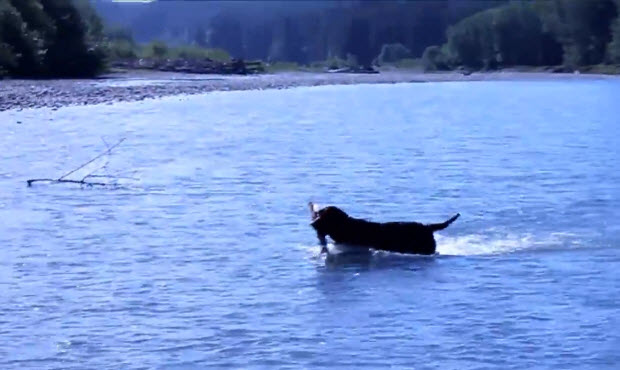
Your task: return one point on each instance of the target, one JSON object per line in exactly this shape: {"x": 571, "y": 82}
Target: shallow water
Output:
{"x": 208, "y": 258}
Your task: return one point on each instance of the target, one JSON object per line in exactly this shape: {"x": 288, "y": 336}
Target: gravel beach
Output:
{"x": 140, "y": 85}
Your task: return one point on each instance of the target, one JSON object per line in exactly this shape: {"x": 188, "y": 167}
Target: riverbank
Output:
{"x": 137, "y": 85}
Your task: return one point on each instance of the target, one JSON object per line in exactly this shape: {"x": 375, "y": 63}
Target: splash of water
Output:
{"x": 476, "y": 244}
{"x": 482, "y": 244}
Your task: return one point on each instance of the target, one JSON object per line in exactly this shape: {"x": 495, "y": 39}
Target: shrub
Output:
{"x": 391, "y": 53}
{"x": 194, "y": 52}
{"x": 335, "y": 63}
{"x": 121, "y": 49}
{"x": 435, "y": 59}
{"x": 410, "y": 63}
{"x": 155, "y": 49}
{"x": 283, "y": 66}
{"x": 115, "y": 33}
{"x": 160, "y": 50}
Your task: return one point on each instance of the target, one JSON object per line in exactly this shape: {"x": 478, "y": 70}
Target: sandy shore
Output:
{"x": 134, "y": 86}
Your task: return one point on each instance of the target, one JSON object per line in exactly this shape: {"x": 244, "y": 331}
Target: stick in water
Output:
{"x": 63, "y": 179}
{"x": 92, "y": 160}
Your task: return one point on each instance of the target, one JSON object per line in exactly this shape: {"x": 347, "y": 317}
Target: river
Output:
{"x": 203, "y": 255}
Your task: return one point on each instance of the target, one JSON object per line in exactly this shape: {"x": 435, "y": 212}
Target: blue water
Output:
{"x": 204, "y": 257}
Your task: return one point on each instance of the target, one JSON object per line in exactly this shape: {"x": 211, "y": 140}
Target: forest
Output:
{"x": 78, "y": 38}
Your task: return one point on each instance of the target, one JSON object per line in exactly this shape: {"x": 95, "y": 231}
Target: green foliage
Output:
{"x": 21, "y": 53}
{"x": 193, "y": 52}
{"x": 581, "y": 26}
{"x": 226, "y": 34}
{"x": 518, "y": 35}
{"x": 69, "y": 53}
{"x": 8, "y": 60}
{"x": 90, "y": 18}
{"x": 46, "y": 38}
{"x": 120, "y": 43}
{"x": 605, "y": 69}
{"x": 160, "y": 50}
{"x": 392, "y": 53}
{"x": 613, "y": 50}
{"x": 303, "y": 32}
{"x": 505, "y": 36}
{"x": 121, "y": 49}
{"x": 117, "y": 33}
{"x": 410, "y": 63}
{"x": 336, "y": 63}
{"x": 283, "y": 67}
{"x": 470, "y": 40}
{"x": 435, "y": 58}
{"x": 156, "y": 49}
{"x": 358, "y": 42}
{"x": 200, "y": 36}
{"x": 614, "y": 45}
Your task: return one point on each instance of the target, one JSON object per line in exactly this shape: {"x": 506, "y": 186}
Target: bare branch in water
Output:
{"x": 105, "y": 142}
{"x": 58, "y": 181}
{"x": 90, "y": 175}
{"x": 112, "y": 177}
{"x": 94, "y": 159}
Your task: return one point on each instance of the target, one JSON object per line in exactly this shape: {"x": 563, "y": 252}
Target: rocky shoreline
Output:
{"x": 137, "y": 85}
{"x": 195, "y": 66}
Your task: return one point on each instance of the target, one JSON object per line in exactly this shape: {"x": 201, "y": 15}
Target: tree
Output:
{"x": 22, "y": 44}
{"x": 46, "y": 38}
{"x": 581, "y": 26}
{"x": 358, "y": 42}
{"x": 614, "y": 45}
{"x": 226, "y": 34}
{"x": 293, "y": 43}
{"x": 258, "y": 39}
{"x": 200, "y": 36}
{"x": 509, "y": 35}
{"x": 69, "y": 54}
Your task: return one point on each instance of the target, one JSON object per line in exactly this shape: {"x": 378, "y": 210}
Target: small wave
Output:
{"x": 475, "y": 244}
{"x": 482, "y": 244}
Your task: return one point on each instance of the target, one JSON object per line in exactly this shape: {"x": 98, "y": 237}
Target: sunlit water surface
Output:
{"x": 208, "y": 260}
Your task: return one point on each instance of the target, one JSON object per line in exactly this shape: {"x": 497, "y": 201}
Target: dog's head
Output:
{"x": 327, "y": 219}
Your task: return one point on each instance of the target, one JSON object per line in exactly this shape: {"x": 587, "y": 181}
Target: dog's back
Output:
{"x": 407, "y": 237}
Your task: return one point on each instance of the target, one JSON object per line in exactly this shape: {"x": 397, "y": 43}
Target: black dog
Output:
{"x": 401, "y": 237}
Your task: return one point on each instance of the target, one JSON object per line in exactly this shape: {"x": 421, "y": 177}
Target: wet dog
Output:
{"x": 401, "y": 237}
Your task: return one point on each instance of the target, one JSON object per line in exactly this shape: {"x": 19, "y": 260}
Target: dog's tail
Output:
{"x": 443, "y": 225}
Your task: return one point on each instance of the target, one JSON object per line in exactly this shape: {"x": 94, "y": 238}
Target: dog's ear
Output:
{"x": 327, "y": 218}
{"x": 320, "y": 219}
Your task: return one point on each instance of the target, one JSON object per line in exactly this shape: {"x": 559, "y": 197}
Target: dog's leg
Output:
{"x": 314, "y": 215}
{"x": 323, "y": 241}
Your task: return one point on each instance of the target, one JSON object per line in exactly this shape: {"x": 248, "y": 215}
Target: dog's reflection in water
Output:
{"x": 343, "y": 256}
{"x": 346, "y": 254}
